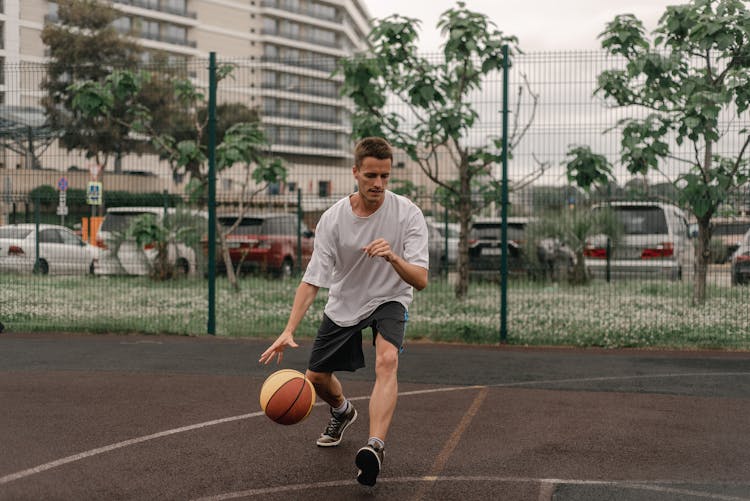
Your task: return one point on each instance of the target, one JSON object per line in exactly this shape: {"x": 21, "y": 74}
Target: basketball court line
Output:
{"x": 138, "y": 440}
{"x": 450, "y": 445}
{"x": 650, "y": 486}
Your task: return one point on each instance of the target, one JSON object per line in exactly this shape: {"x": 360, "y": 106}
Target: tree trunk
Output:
{"x": 464, "y": 218}
{"x": 702, "y": 255}
{"x": 580, "y": 274}
{"x": 231, "y": 276}
{"x": 703, "y": 250}
{"x": 462, "y": 262}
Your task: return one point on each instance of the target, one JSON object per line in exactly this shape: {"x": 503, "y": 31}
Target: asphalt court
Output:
{"x": 154, "y": 417}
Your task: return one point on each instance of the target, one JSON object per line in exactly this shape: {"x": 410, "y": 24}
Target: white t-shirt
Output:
{"x": 357, "y": 283}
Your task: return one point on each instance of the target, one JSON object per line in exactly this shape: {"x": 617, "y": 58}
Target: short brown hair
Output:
{"x": 376, "y": 147}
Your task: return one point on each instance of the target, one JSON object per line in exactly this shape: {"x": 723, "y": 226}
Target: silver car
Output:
{"x": 61, "y": 251}
{"x": 741, "y": 262}
{"x": 655, "y": 243}
{"x": 124, "y": 257}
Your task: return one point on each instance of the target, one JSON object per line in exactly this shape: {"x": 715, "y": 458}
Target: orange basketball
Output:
{"x": 287, "y": 397}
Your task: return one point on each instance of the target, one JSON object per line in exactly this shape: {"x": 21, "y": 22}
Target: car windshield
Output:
{"x": 491, "y": 231}
{"x": 734, "y": 228}
{"x": 248, "y": 225}
{"x": 452, "y": 230}
{"x": 120, "y": 221}
{"x": 14, "y": 233}
{"x": 639, "y": 220}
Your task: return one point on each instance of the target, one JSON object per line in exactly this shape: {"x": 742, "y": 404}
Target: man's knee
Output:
{"x": 387, "y": 358}
{"x": 318, "y": 379}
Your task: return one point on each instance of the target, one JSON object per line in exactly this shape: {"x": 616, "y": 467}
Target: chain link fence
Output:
{"x": 133, "y": 253}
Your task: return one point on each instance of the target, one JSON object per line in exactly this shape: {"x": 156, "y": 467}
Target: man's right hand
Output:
{"x": 277, "y": 348}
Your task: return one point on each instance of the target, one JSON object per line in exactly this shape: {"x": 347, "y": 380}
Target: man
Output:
{"x": 370, "y": 251}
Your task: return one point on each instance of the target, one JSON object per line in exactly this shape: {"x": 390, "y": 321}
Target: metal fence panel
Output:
{"x": 552, "y": 108}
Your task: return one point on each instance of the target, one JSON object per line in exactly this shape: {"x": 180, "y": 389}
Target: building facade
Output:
{"x": 284, "y": 50}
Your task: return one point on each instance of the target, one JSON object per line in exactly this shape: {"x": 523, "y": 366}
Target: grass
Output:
{"x": 625, "y": 314}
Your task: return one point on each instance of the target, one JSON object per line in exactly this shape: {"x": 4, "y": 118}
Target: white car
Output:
{"x": 655, "y": 243}
{"x": 453, "y": 232}
{"x": 61, "y": 251}
{"x": 124, "y": 257}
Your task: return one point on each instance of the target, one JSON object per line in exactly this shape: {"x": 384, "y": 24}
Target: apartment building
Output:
{"x": 285, "y": 51}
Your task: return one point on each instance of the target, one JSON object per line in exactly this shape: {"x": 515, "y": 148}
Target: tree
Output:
{"x": 692, "y": 78}
{"x": 242, "y": 143}
{"x": 181, "y": 227}
{"x": 437, "y": 98}
{"x": 84, "y": 46}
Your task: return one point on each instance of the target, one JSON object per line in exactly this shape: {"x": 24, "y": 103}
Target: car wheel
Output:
{"x": 182, "y": 267}
{"x": 42, "y": 268}
{"x": 286, "y": 268}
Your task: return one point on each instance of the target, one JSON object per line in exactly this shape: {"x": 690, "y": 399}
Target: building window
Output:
{"x": 324, "y": 189}
{"x": 175, "y": 34}
{"x": 122, "y": 25}
{"x": 269, "y": 25}
{"x": 174, "y": 6}
{"x": 51, "y": 12}
{"x": 150, "y": 29}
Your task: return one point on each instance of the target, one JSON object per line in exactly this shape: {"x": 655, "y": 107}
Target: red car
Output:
{"x": 267, "y": 242}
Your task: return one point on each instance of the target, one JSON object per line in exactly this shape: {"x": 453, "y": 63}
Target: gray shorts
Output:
{"x": 339, "y": 348}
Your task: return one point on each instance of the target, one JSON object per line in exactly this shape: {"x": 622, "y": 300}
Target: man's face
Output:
{"x": 372, "y": 178}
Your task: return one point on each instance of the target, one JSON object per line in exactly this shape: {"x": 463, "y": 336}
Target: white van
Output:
{"x": 655, "y": 243}
{"x": 127, "y": 258}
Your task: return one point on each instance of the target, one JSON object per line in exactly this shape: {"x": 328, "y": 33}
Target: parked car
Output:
{"x": 729, "y": 231}
{"x": 122, "y": 256}
{"x": 485, "y": 246}
{"x": 655, "y": 243}
{"x": 266, "y": 242}
{"x": 741, "y": 262}
{"x": 60, "y": 250}
{"x": 453, "y": 233}
{"x": 436, "y": 249}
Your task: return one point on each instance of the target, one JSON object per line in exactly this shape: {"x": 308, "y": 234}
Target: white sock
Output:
{"x": 376, "y": 442}
{"x": 342, "y": 409}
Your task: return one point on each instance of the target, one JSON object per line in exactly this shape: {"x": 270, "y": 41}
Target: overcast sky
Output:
{"x": 540, "y": 25}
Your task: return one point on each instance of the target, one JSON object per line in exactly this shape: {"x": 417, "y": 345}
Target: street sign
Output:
{"x": 62, "y": 204}
{"x": 94, "y": 193}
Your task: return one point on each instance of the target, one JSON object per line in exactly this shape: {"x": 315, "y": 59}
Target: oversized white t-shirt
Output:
{"x": 357, "y": 283}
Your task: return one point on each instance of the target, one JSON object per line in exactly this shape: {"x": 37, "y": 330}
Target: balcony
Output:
{"x": 320, "y": 13}
{"x": 144, "y": 4}
{"x": 290, "y": 35}
{"x": 309, "y": 90}
{"x": 307, "y": 62}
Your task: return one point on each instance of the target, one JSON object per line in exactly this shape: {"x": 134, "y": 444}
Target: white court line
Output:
{"x": 119, "y": 445}
{"x": 653, "y": 486}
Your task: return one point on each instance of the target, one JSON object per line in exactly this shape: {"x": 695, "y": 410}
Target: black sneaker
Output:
{"x": 336, "y": 427}
{"x": 369, "y": 460}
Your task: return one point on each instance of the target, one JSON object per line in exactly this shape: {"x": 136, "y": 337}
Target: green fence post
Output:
{"x": 444, "y": 271}
{"x": 211, "y": 328}
{"x": 299, "y": 231}
{"x": 504, "y": 209}
{"x": 37, "y": 201}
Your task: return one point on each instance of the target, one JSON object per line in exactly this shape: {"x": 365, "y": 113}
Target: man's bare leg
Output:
{"x": 385, "y": 391}
{"x": 327, "y": 386}
{"x": 329, "y": 389}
